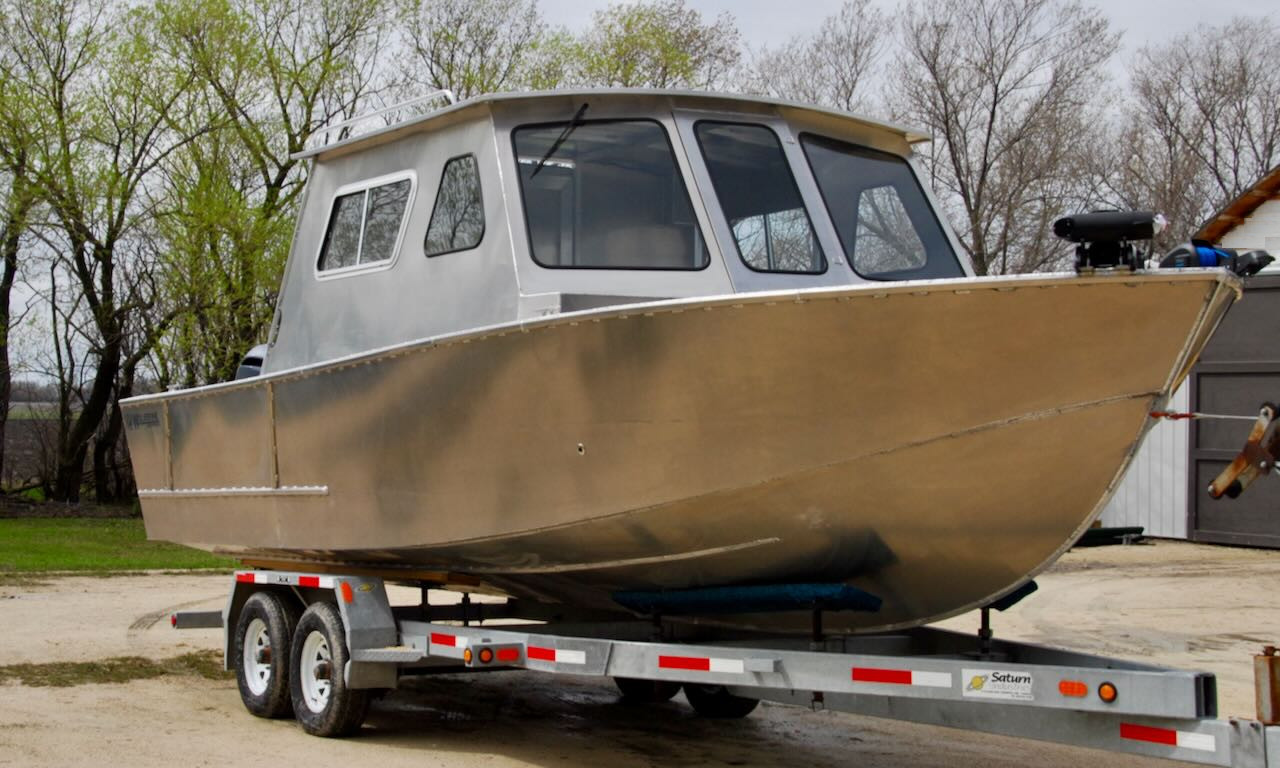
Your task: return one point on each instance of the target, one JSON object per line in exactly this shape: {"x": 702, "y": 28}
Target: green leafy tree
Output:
{"x": 269, "y": 75}
{"x": 106, "y": 110}
{"x": 17, "y": 201}
{"x": 659, "y": 44}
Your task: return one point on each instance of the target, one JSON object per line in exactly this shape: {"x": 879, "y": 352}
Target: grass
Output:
{"x": 119, "y": 669}
{"x": 37, "y": 545}
{"x": 32, "y": 411}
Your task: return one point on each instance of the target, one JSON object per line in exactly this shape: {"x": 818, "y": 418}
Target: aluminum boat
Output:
{"x": 571, "y": 346}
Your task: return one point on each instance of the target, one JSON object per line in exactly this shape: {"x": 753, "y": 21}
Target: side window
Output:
{"x": 885, "y": 240}
{"x": 342, "y": 241}
{"x": 365, "y": 225}
{"x": 457, "y": 221}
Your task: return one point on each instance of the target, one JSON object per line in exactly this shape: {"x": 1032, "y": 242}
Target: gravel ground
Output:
{"x": 1183, "y": 605}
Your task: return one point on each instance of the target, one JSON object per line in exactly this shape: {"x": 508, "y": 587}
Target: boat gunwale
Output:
{"x": 684, "y": 304}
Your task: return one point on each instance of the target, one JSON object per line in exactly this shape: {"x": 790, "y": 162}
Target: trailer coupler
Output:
{"x": 1256, "y": 459}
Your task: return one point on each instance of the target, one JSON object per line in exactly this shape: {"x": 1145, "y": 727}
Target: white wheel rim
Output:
{"x": 315, "y": 691}
{"x": 257, "y": 645}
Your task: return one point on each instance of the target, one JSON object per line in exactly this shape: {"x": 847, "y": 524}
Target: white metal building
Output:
{"x": 1153, "y": 493}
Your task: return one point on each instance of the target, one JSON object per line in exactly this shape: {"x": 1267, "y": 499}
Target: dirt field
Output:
{"x": 1176, "y": 604}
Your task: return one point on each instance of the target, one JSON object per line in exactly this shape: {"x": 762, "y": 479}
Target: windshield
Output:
{"x": 759, "y": 198}
{"x": 885, "y": 223}
{"x": 610, "y": 196}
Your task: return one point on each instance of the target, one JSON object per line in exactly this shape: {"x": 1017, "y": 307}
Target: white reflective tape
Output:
{"x": 931, "y": 679}
{"x": 1201, "y": 741}
{"x": 570, "y": 657}
{"x": 326, "y": 582}
{"x": 259, "y": 577}
{"x": 731, "y": 666}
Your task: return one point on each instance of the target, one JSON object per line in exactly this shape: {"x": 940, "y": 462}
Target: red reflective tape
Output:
{"x": 541, "y": 654}
{"x": 1147, "y": 733}
{"x": 245, "y": 578}
{"x": 439, "y": 639}
{"x": 508, "y": 654}
{"x": 308, "y": 581}
{"x": 872, "y": 675}
{"x": 684, "y": 662}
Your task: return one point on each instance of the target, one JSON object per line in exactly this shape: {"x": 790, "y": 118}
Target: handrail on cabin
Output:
{"x": 337, "y": 128}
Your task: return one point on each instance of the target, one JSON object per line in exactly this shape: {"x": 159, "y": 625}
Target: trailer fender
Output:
{"x": 362, "y": 603}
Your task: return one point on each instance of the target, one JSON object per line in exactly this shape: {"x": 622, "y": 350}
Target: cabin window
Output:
{"x": 457, "y": 221}
{"x": 364, "y": 225}
{"x": 886, "y": 225}
{"x": 606, "y": 195}
{"x": 759, "y": 198}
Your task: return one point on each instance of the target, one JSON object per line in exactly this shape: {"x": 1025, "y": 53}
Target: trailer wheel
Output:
{"x": 637, "y": 691}
{"x": 322, "y": 702}
{"x": 260, "y": 653}
{"x": 716, "y": 701}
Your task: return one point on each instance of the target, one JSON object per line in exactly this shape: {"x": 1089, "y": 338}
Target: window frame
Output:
{"x": 365, "y": 185}
{"x": 685, "y": 181}
{"x": 484, "y": 220}
{"x": 897, "y": 275}
{"x": 795, "y": 186}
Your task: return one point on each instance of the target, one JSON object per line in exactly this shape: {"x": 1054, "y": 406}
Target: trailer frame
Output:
{"x": 922, "y": 675}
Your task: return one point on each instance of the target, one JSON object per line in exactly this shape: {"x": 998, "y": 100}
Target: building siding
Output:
{"x": 1153, "y": 493}
{"x": 1261, "y": 229}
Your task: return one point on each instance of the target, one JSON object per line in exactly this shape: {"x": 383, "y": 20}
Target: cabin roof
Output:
{"x": 691, "y": 99}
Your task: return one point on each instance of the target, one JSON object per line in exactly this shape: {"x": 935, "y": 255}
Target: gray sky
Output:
{"x": 769, "y": 22}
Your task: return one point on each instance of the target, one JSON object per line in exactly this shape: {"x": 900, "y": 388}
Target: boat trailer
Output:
{"x": 346, "y": 642}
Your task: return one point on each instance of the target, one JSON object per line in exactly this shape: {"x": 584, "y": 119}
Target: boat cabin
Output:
{"x": 511, "y": 207}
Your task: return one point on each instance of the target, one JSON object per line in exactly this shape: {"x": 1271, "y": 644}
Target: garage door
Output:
{"x": 1239, "y": 370}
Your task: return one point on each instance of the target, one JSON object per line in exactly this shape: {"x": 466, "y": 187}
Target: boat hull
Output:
{"x": 934, "y": 444}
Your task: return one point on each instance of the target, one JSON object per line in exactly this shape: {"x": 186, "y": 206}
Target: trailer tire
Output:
{"x": 716, "y": 701}
{"x": 260, "y": 654}
{"x": 637, "y": 691}
{"x": 322, "y": 702}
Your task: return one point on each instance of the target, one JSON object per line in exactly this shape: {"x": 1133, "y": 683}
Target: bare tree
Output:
{"x": 1208, "y": 122}
{"x": 832, "y": 67}
{"x": 472, "y": 46}
{"x": 1137, "y": 169}
{"x": 1009, "y": 89}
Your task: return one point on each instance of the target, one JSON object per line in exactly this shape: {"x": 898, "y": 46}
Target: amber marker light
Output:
{"x": 466, "y": 656}
{"x": 1107, "y": 692}
{"x": 486, "y": 655}
{"x": 1073, "y": 688}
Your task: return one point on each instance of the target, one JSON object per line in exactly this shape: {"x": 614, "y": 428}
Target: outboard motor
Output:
{"x": 1202, "y": 253}
{"x": 1104, "y": 239}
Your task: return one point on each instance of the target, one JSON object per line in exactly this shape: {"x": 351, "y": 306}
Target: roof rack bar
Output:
{"x": 336, "y": 129}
